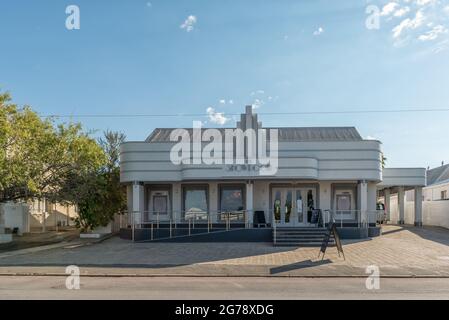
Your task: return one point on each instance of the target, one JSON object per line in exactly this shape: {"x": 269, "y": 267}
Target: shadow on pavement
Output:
{"x": 299, "y": 265}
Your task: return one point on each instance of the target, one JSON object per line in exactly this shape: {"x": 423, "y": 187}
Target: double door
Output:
{"x": 293, "y": 206}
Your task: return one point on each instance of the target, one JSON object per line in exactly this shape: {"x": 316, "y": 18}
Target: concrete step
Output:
{"x": 300, "y": 232}
{"x": 318, "y": 238}
{"x": 300, "y": 236}
{"x": 300, "y": 244}
{"x": 301, "y": 229}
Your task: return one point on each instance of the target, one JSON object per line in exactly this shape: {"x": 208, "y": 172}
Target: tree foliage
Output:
{"x": 37, "y": 156}
{"x": 98, "y": 194}
{"x": 60, "y": 162}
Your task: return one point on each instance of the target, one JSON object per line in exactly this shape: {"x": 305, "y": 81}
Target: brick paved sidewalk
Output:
{"x": 400, "y": 251}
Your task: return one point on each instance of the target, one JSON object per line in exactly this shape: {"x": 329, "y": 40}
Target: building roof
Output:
{"x": 286, "y": 134}
{"x": 438, "y": 174}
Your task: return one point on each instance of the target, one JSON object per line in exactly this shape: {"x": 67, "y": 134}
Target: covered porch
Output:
{"x": 396, "y": 181}
{"x": 206, "y": 206}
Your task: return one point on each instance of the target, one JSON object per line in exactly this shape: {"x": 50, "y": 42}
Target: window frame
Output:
{"x": 222, "y": 187}
{"x": 187, "y": 187}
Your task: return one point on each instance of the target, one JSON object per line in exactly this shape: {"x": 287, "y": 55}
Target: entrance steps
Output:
{"x": 300, "y": 237}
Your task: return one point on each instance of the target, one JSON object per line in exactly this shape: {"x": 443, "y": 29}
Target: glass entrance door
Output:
{"x": 293, "y": 206}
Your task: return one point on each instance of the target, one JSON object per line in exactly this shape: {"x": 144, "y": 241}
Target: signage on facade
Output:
{"x": 238, "y": 170}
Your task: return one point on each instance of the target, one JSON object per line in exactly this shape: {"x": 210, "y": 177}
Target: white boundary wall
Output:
{"x": 435, "y": 213}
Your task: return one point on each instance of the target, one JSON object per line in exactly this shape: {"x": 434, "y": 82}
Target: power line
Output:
{"x": 155, "y": 115}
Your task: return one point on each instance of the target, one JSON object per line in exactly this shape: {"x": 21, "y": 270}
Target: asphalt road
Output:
{"x": 49, "y": 287}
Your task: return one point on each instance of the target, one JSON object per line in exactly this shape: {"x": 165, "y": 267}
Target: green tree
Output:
{"x": 37, "y": 156}
{"x": 383, "y": 160}
{"x": 99, "y": 195}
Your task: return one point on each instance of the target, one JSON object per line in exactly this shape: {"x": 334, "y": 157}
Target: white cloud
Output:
{"x": 370, "y": 138}
{"x": 424, "y": 2}
{"x": 388, "y": 8}
{"x": 189, "y": 23}
{"x": 223, "y": 101}
{"x": 257, "y": 103}
{"x": 409, "y": 24}
{"x": 319, "y": 31}
{"x": 149, "y": 5}
{"x": 216, "y": 117}
{"x": 402, "y": 11}
{"x": 433, "y": 33}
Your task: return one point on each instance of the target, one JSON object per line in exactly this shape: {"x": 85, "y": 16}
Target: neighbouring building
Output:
{"x": 435, "y": 200}
{"x": 328, "y": 168}
{"x": 37, "y": 215}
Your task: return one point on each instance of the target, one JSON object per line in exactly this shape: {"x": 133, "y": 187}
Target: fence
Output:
{"x": 434, "y": 213}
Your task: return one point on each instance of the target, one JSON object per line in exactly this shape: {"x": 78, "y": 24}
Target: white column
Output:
{"x": 401, "y": 205}
{"x": 362, "y": 189}
{"x": 325, "y": 195}
{"x": 418, "y": 206}
{"x": 176, "y": 202}
{"x": 249, "y": 201}
{"x": 137, "y": 202}
{"x": 371, "y": 202}
{"x": 387, "y": 203}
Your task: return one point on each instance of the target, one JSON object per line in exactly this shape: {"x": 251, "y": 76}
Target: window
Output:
{"x": 195, "y": 204}
{"x": 231, "y": 199}
{"x": 231, "y": 202}
{"x": 443, "y": 194}
{"x": 343, "y": 202}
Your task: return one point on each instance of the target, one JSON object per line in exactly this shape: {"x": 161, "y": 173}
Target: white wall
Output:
{"x": 435, "y": 213}
{"x": 17, "y": 216}
{"x": 394, "y": 208}
{"x": 409, "y": 214}
{"x": 434, "y": 192}
{"x": 261, "y": 198}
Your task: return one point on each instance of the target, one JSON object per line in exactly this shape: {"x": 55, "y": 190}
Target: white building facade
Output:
{"x": 328, "y": 168}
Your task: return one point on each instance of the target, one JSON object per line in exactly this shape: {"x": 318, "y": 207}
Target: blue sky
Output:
{"x": 147, "y": 57}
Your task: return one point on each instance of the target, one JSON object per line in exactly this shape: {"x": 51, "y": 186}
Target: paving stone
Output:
{"x": 400, "y": 251}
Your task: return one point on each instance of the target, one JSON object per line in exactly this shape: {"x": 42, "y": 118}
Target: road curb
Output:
{"x": 133, "y": 275}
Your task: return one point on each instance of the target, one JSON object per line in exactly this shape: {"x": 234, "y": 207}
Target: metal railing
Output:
{"x": 343, "y": 218}
{"x": 210, "y": 221}
{"x": 294, "y": 218}
{"x": 187, "y": 220}
{"x": 355, "y": 218}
